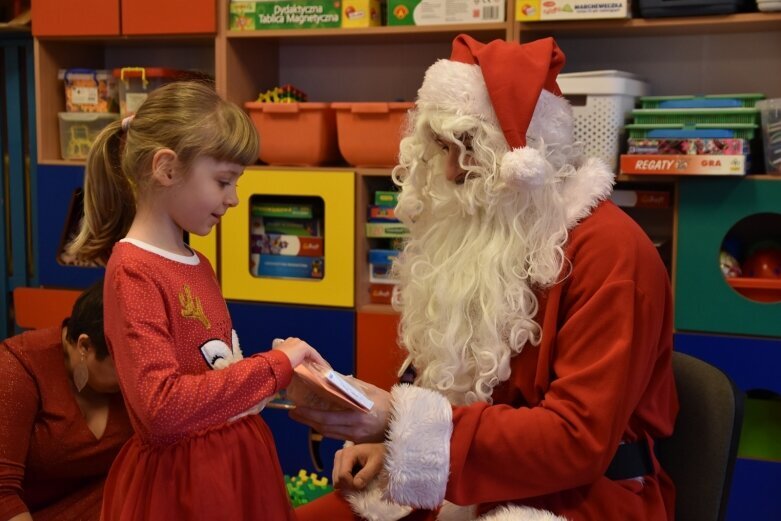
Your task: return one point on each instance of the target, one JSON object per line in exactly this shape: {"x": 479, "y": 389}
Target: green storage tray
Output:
{"x": 740, "y": 100}
{"x": 696, "y": 116}
{"x": 741, "y": 130}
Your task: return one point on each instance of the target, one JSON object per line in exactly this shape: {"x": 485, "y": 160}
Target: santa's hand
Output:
{"x": 345, "y": 424}
{"x": 368, "y": 459}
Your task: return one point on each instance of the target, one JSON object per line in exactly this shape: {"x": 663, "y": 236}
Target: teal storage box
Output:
{"x": 707, "y": 211}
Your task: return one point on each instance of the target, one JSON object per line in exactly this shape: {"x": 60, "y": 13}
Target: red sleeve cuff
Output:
{"x": 280, "y": 367}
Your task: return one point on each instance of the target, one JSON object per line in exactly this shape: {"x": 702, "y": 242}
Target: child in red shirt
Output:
{"x": 200, "y": 450}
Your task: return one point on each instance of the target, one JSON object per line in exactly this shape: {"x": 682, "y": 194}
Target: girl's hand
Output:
{"x": 369, "y": 457}
{"x": 297, "y": 351}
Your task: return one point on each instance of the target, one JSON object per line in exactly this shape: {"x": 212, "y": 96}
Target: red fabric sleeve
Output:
{"x": 19, "y": 402}
{"x": 602, "y": 360}
{"x": 165, "y": 401}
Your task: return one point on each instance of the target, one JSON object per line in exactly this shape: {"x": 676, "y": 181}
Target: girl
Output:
{"x": 200, "y": 450}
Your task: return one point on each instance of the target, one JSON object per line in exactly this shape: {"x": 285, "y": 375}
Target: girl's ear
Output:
{"x": 164, "y": 166}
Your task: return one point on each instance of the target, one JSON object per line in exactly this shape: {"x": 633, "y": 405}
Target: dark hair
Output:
{"x": 87, "y": 319}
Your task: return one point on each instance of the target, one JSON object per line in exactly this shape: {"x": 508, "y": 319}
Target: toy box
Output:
{"x": 545, "y": 10}
{"x": 135, "y": 84}
{"x": 727, "y": 147}
{"x": 691, "y": 164}
{"x": 436, "y": 12}
{"x": 369, "y": 133}
{"x": 78, "y": 131}
{"x": 285, "y": 14}
{"x": 89, "y": 90}
{"x": 312, "y": 124}
{"x": 361, "y": 13}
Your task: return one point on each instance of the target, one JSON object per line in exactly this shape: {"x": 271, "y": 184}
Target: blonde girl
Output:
{"x": 200, "y": 451}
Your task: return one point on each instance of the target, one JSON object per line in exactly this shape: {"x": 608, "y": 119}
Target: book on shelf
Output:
{"x": 381, "y": 293}
{"x": 382, "y": 214}
{"x": 386, "y": 198}
{"x": 283, "y": 210}
{"x": 280, "y": 226}
{"x": 285, "y": 266}
{"x": 641, "y": 198}
{"x": 292, "y": 245}
{"x": 386, "y": 230}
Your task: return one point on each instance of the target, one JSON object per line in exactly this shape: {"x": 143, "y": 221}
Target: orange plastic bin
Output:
{"x": 370, "y": 133}
{"x": 295, "y": 134}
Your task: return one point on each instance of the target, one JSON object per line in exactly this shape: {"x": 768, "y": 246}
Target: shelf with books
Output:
{"x": 378, "y": 235}
{"x": 282, "y": 212}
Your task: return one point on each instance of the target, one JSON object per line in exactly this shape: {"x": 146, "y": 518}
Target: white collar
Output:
{"x": 192, "y": 260}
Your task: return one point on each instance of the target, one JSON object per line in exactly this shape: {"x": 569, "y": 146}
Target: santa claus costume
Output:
{"x": 536, "y": 314}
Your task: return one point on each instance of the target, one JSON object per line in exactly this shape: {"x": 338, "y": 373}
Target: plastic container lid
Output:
{"x": 83, "y": 74}
{"x": 146, "y": 72}
{"x": 83, "y": 117}
{"x": 602, "y": 82}
{"x": 370, "y": 107}
{"x": 285, "y": 108}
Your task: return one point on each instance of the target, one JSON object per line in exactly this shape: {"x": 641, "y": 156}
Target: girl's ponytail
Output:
{"x": 109, "y": 199}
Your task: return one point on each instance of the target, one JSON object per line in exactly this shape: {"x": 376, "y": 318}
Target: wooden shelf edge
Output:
{"x": 277, "y": 168}
{"x": 384, "y": 30}
{"x": 199, "y": 39}
{"x": 733, "y": 23}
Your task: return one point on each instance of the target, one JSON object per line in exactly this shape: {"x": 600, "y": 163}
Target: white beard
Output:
{"x": 468, "y": 276}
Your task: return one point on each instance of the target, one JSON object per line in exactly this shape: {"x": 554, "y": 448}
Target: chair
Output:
{"x": 701, "y": 453}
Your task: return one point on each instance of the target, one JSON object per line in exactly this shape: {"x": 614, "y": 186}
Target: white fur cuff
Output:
{"x": 371, "y": 504}
{"x": 520, "y": 513}
{"x": 418, "y": 458}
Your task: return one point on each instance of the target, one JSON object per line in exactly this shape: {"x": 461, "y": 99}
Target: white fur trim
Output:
{"x": 524, "y": 168}
{"x": 520, "y": 513}
{"x": 458, "y": 88}
{"x": 583, "y": 191}
{"x": 452, "y": 512}
{"x": 372, "y": 506}
{"x": 553, "y": 121}
{"x": 418, "y": 458}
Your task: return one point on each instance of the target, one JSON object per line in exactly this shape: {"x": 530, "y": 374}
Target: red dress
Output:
{"x": 51, "y": 464}
{"x": 167, "y": 327}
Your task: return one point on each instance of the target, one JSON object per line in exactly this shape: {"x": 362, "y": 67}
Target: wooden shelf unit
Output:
{"x": 53, "y": 54}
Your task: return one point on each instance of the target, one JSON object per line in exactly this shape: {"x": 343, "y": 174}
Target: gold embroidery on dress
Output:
{"x": 192, "y": 308}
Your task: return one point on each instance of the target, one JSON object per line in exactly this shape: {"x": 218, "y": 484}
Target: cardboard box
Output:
{"x": 285, "y": 14}
{"x": 437, "y": 12}
{"x": 545, "y": 10}
{"x": 694, "y": 164}
{"x": 361, "y": 13}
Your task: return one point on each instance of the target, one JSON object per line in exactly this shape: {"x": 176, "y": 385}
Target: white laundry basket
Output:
{"x": 601, "y": 101}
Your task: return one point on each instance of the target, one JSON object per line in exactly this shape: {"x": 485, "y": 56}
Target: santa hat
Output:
{"x": 512, "y": 86}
